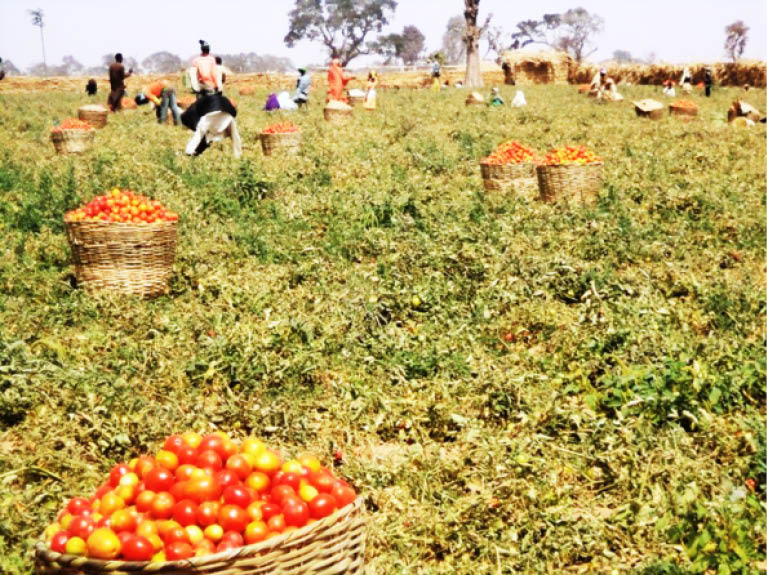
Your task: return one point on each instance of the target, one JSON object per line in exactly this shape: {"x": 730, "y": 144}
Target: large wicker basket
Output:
{"x": 337, "y": 116}
{"x": 682, "y": 111}
{"x": 649, "y": 108}
{"x": 133, "y": 259}
{"x": 356, "y": 100}
{"x": 282, "y": 143}
{"x": 503, "y": 177}
{"x": 334, "y": 545}
{"x": 94, "y": 114}
{"x": 72, "y": 141}
{"x": 570, "y": 183}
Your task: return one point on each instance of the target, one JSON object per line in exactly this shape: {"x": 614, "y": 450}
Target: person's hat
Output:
{"x": 204, "y": 45}
{"x": 302, "y": 69}
{"x": 603, "y": 71}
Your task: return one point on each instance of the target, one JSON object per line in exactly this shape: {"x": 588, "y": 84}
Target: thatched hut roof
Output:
{"x": 544, "y": 67}
{"x": 551, "y": 56}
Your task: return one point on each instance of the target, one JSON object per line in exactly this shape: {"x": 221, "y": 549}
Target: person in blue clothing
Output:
{"x": 303, "y": 85}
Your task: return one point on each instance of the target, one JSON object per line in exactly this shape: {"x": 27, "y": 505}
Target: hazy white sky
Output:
{"x": 676, "y": 30}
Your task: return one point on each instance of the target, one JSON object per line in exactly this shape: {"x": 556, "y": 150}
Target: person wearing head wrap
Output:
{"x": 206, "y": 69}
{"x": 337, "y": 81}
{"x": 303, "y": 85}
{"x": 370, "y": 91}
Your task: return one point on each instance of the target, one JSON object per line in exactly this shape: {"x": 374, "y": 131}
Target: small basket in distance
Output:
{"x": 334, "y": 545}
{"x": 685, "y": 111}
{"x": 95, "y": 114}
{"x": 135, "y": 259}
{"x": 339, "y": 116}
{"x": 505, "y": 177}
{"x": 72, "y": 141}
{"x": 288, "y": 143}
{"x": 570, "y": 182}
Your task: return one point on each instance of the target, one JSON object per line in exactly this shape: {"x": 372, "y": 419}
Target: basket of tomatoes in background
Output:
{"x": 283, "y": 137}
{"x": 207, "y": 504}
{"x": 508, "y": 165}
{"x": 572, "y": 173}
{"x": 123, "y": 242}
{"x": 72, "y": 136}
{"x": 685, "y": 108}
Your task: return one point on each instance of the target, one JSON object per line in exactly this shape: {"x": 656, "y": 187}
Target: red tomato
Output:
{"x": 187, "y": 454}
{"x": 232, "y": 518}
{"x": 269, "y": 510}
{"x": 226, "y": 546}
{"x": 322, "y": 481}
{"x": 124, "y": 537}
{"x": 237, "y": 495}
{"x": 81, "y": 527}
{"x": 276, "y": 524}
{"x": 143, "y": 465}
{"x": 137, "y": 548}
{"x": 103, "y": 490}
{"x": 209, "y": 458}
{"x": 207, "y": 513}
{"x": 178, "y": 491}
{"x": 235, "y": 537}
{"x": 239, "y": 465}
{"x": 174, "y": 534}
{"x": 255, "y": 531}
{"x": 322, "y": 505}
{"x": 213, "y": 442}
{"x": 296, "y": 513}
{"x": 226, "y": 477}
{"x": 204, "y": 489}
{"x": 185, "y": 512}
{"x": 178, "y": 550}
{"x": 144, "y": 500}
{"x": 59, "y": 542}
{"x": 292, "y": 479}
{"x": 162, "y": 505}
{"x": 280, "y": 492}
{"x": 117, "y": 472}
{"x": 343, "y": 494}
{"x": 159, "y": 479}
{"x": 184, "y": 471}
{"x": 174, "y": 443}
{"x": 77, "y": 505}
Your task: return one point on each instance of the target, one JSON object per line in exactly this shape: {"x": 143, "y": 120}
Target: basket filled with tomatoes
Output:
{"x": 572, "y": 173}
{"x": 683, "y": 108}
{"x": 283, "y": 137}
{"x": 94, "y": 114}
{"x": 508, "y": 166}
{"x": 72, "y": 136}
{"x": 123, "y": 242}
{"x": 210, "y": 505}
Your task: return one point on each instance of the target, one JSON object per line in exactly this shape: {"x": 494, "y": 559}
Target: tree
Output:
{"x": 10, "y": 69}
{"x": 343, "y": 26}
{"x": 577, "y": 27}
{"x": 129, "y": 62}
{"x": 471, "y": 40}
{"x": 453, "y": 47}
{"x": 406, "y": 46}
{"x": 37, "y": 20}
{"x": 162, "y": 63}
{"x": 536, "y": 31}
{"x": 735, "y": 43}
{"x": 623, "y": 56}
{"x": 71, "y": 67}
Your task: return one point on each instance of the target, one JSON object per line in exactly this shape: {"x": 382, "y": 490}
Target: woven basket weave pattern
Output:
{"x": 680, "y": 111}
{"x": 286, "y": 143}
{"x": 337, "y": 116}
{"x": 506, "y": 176}
{"x": 130, "y": 259}
{"x": 334, "y": 545}
{"x": 576, "y": 183}
{"x": 652, "y": 114}
{"x": 72, "y": 141}
{"x": 96, "y": 118}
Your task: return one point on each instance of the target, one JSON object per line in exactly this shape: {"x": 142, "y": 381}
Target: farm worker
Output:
{"x": 370, "y": 91}
{"x": 2, "y": 69}
{"x": 337, "y": 81}
{"x": 708, "y": 81}
{"x": 519, "y": 100}
{"x": 163, "y": 96}
{"x": 221, "y": 72}
{"x": 205, "y": 65}
{"x": 212, "y": 118}
{"x": 686, "y": 81}
{"x": 272, "y": 103}
{"x": 91, "y": 87}
{"x": 495, "y": 98}
{"x": 286, "y": 102}
{"x": 436, "y": 71}
{"x": 668, "y": 89}
{"x": 508, "y": 74}
{"x": 303, "y": 85}
{"x": 117, "y": 78}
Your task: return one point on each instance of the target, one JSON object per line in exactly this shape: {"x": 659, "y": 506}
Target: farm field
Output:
{"x": 516, "y": 387}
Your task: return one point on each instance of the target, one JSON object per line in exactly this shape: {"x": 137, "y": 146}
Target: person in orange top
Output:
{"x": 163, "y": 97}
{"x": 337, "y": 81}
{"x": 205, "y": 64}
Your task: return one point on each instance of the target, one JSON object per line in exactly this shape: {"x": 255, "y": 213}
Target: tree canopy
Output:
{"x": 735, "y": 42}
{"x": 406, "y": 46}
{"x": 343, "y": 26}
{"x": 570, "y": 32}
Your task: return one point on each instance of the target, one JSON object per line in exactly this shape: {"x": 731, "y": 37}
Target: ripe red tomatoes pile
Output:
{"x": 196, "y": 496}
{"x": 687, "y": 104}
{"x": 571, "y": 155}
{"x": 509, "y": 153}
{"x": 72, "y": 124}
{"x": 121, "y": 206}
{"x": 280, "y": 128}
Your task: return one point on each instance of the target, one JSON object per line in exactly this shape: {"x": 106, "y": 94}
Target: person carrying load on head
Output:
{"x": 206, "y": 71}
{"x": 337, "y": 81}
{"x": 163, "y": 97}
{"x": 212, "y": 118}
{"x": 303, "y": 85}
{"x": 117, "y": 78}
{"x": 370, "y": 91}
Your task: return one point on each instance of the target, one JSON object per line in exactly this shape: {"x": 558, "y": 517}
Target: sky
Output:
{"x": 675, "y": 30}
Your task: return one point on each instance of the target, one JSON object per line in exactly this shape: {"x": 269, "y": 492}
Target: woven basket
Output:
{"x": 576, "y": 183}
{"x": 649, "y": 109}
{"x": 127, "y": 258}
{"x": 356, "y": 100}
{"x": 72, "y": 141}
{"x": 680, "y": 111}
{"x": 506, "y": 176}
{"x": 337, "y": 116}
{"x": 334, "y": 545}
{"x": 286, "y": 143}
{"x": 94, "y": 114}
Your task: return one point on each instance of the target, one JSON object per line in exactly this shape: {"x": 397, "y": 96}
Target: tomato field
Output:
{"x": 512, "y": 386}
